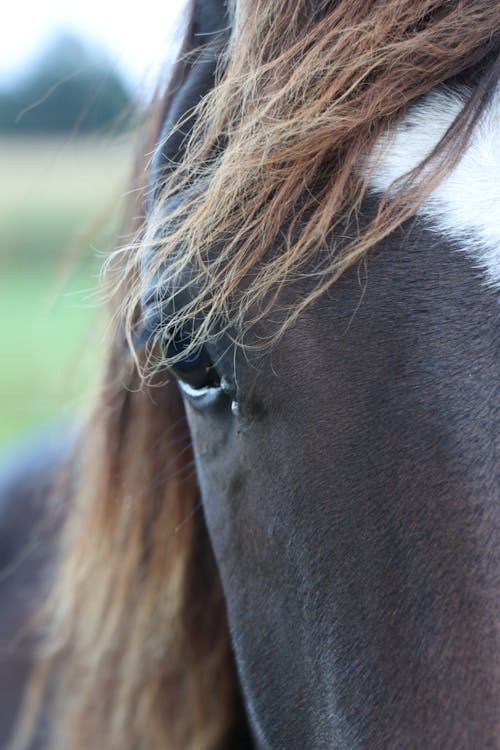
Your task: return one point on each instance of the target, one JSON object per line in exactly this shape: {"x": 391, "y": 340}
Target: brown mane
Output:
{"x": 301, "y": 101}
{"x": 137, "y": 624}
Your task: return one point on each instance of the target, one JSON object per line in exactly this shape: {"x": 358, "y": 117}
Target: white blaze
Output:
{"x": 466, "y": 205}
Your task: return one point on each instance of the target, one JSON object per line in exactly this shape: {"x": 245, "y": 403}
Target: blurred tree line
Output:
{"x": 71, "y": 87}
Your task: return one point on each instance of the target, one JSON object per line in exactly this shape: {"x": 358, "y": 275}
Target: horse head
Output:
{"x": 313, "y": 305}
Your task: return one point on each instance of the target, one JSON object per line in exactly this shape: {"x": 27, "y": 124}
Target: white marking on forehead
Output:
{"x": 466, "y": 205}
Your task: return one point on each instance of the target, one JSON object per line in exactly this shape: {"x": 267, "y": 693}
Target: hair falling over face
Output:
{"x": 137, "y": 650}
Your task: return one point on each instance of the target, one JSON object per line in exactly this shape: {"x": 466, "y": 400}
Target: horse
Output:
{"x": 282, "y": 524}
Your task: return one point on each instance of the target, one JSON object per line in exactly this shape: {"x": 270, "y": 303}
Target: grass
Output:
{"x": 57, "y": 203}
{"x": 49, "y": 355}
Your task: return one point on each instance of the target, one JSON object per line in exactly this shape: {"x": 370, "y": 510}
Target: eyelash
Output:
{"x": 196, "y": 370}
{"x": 197, "y": 375}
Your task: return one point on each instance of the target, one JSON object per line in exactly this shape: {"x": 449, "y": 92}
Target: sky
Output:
{"x": 139, "y": 36}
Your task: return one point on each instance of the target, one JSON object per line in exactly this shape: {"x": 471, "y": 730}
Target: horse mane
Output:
{"x": 277, "y": 160}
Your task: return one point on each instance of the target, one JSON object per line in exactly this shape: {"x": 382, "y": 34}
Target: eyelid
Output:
{"x": 152, "y": 323}
{"x": 204, "y": 398}
{"x": 196, "y": 392}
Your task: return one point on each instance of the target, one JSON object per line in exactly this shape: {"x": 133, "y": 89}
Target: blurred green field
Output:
{"x": 59, "y": 205}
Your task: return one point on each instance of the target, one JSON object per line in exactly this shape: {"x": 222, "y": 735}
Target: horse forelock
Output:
{"x": 281, "y": 145}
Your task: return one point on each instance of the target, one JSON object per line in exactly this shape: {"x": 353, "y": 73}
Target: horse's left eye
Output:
{"x": 195, "y": 371}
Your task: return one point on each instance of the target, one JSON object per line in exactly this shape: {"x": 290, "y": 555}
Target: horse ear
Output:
{"x": 193, "y": 77}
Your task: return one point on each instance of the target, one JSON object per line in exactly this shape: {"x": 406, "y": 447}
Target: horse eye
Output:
{"x": 195, "y": 370}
